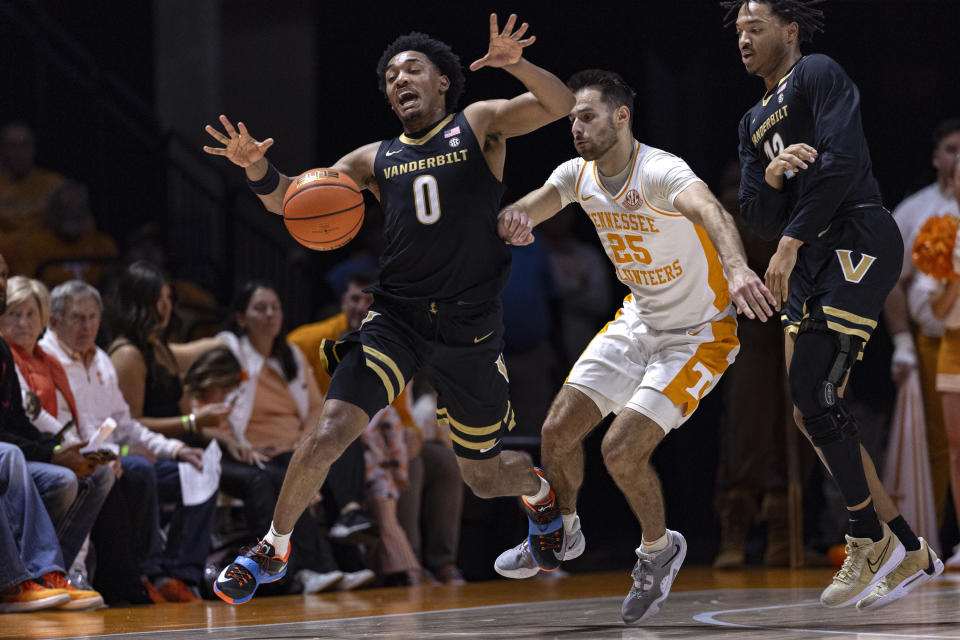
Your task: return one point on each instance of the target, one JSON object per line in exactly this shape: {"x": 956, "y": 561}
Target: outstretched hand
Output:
{"x": 506, "y": 47}
{"x": 240, "y": 148}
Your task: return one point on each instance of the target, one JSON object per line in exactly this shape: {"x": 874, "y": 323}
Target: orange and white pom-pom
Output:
{"x": 933, "y": 249}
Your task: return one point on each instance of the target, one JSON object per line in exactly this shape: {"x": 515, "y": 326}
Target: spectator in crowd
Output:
{"x": 909, "y": 304}
{"x": 945, "y": 305}
{"x": 434, "y": 495}
{"x": 68, "y": 246}
{"x": 73, "y": 487}
{"x": 16, "y": 429}
{"x": 582, "y": 279}
{"x": 24, "y": 188}
{"x": 278, "y": 403}
{"x": 31, "y": 564}
{"x": 131, "y": 515}
{"x": 149, "y": 367}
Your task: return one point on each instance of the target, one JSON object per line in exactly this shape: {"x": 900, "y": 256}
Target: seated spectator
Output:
{"x": 149, "y": 367}
{"x": 24, "y": 188}
{"x": 433, "y": 473}
{"x": 68, "y": 246}
{"x": 73, "y": 486}
{"x": 274, "y": 407}
{"x": 129, "y": 525}
{"x": 31, "y": 563}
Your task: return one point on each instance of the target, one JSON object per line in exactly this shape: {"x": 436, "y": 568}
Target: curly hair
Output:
{"x": 808, "y": 19}
{"x": 439, "y": 53}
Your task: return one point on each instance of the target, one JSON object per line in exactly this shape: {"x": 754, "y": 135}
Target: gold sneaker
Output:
{"x": 918, "y": 567}
{"x": 866, "y": 564}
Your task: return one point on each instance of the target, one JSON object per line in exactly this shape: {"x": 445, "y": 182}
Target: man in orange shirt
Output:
{"x": 434, "y": 476}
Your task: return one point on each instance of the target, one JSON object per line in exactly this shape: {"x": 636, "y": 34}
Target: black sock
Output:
{"x": 903, "y": 531}
{"x": 864, "y": 523}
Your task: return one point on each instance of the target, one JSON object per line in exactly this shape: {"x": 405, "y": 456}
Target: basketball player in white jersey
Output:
{"x": 678, "y": 250}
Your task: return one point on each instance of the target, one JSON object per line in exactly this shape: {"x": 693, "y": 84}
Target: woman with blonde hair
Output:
{"x": 73, "y": 486}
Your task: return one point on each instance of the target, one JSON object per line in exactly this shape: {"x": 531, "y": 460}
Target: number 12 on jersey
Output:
{"x": 426, "y": 197}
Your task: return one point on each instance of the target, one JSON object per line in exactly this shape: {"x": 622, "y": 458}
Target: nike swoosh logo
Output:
{"x": 393, "y": 153}
{"x": 481, "y": 339}
{"x": 585, "y": 198}
{"x": 696, "y": 333}
{"x": 676, "y": 550}
{"x": 883, "y": 554}
{"x": 490, "y": 447}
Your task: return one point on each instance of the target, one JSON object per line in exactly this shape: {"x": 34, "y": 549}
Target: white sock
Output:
{"x": 656, "y": 546}
{"x": 542, "y": 494}
{"x": 571, "y": 523}
{"x": 280, "y": 541}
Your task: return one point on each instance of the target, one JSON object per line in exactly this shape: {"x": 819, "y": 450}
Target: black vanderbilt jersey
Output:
{"x": 818, "y": 104}
{"x": 440, "y": 203}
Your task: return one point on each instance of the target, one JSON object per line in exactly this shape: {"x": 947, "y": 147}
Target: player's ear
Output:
{"x": 793, "y": 33}
{"x": 622, "y": 115}
{"x": 444, "y": 84}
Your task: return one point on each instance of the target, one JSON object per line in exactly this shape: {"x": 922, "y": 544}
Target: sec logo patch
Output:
{"x": 632, "y": 200}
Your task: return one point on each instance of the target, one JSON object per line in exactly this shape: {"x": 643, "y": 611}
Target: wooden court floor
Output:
{"x": 754, "y": 603}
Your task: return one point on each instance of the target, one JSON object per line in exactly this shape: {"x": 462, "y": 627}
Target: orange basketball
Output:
{"x": 323, "y": 209}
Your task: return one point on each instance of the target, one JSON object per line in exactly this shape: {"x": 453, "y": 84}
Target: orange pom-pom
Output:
{"x": 933, "y": 249}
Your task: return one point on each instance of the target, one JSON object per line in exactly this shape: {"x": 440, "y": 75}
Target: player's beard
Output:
{"x": 600, "y": 143}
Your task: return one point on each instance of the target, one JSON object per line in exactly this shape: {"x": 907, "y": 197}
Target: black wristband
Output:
{"x": 268, "y": 183}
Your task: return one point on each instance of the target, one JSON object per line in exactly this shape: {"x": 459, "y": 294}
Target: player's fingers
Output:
{"x": 526, "y": 43}
{"x": 215, "y": 151}
{"x": 479, "y": 64}
{"x": 764, "y": 292}
{"x": 266, "y": 144}
{"x": 519, "y": 32}
{"x": 760, "y": 302}
{"x": 743, "y": 306}
{"x": 228, "y": 126}
{"x": 494, "y": 27}
{"x": 219, "y": 137}
{"x": 243, "y": 129}
{"x": 511, "y": 21}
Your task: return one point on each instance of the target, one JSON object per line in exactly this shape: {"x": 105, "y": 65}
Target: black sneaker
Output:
{"x": 239, "y": 580}
{"x": 354, "y": 527}
{"x": 546, "y": 534}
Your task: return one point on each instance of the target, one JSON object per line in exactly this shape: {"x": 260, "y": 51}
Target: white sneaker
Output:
{"x": 518, "y": 563}
{"x": 953, "y": 562}
{"x": 653, "y": 576}
{"x": 356, "y": 579}
{"x": 314, "y": 582}
{"x": 866, "y": 564}
{"x": 918, "y": 567}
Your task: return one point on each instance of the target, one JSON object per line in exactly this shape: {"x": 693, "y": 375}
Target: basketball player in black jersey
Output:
{"x": 807, "y": 179}
{"x": 436, "y": 309}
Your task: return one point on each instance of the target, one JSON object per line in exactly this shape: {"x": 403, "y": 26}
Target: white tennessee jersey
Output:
{"x": 669, "y": 263}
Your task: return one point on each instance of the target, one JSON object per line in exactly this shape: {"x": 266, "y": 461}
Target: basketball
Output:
{"x": 323, "y": 209}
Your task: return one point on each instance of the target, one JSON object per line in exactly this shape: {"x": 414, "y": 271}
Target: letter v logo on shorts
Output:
{"x": 854, "y": 273}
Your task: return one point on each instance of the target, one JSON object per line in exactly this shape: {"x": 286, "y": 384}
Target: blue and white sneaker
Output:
{"x": 239, "y": 580}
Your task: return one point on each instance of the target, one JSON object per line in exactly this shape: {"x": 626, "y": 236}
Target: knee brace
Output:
{"x": 821, "y": 360}
{"x": 831, "y": 426}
